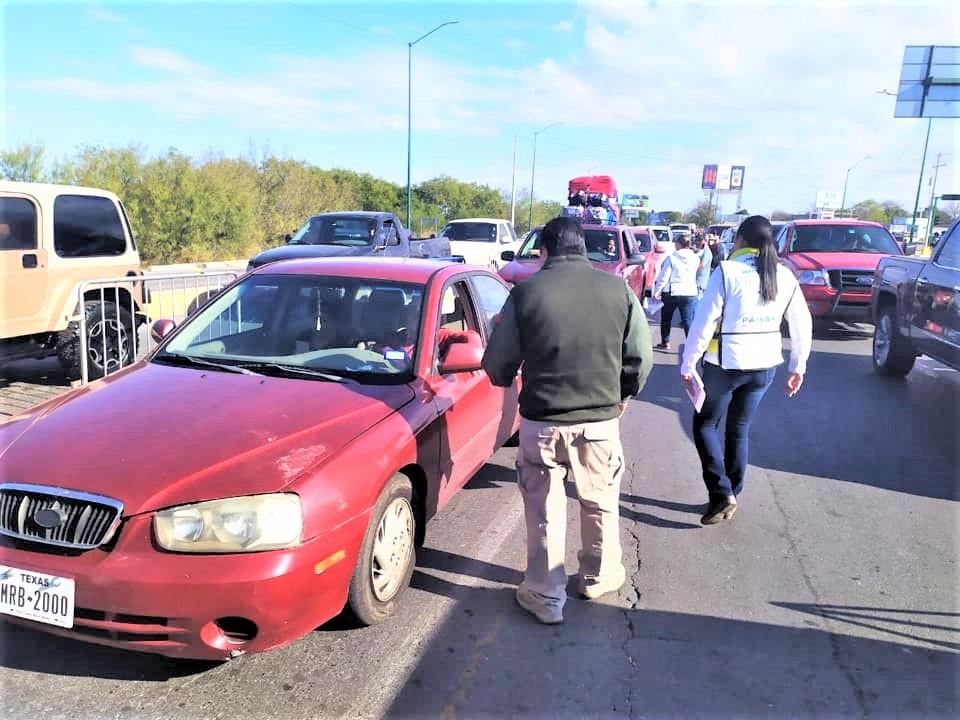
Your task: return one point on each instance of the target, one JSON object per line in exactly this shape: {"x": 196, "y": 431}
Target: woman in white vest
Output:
{"x": 736, "y": 331}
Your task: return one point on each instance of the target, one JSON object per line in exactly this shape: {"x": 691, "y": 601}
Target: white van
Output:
{"x": 481, "y": 241}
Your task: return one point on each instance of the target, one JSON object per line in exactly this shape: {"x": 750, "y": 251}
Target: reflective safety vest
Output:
{"x": 748, "y": 334}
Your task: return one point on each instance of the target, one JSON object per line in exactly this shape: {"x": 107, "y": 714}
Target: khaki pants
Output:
{"x": 591, "y": 456}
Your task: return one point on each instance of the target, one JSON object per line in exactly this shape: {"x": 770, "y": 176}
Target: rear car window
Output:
{"x": 18, "y": 224}
{"x": 470, "y": 232}
{"x": 85, "y": 226}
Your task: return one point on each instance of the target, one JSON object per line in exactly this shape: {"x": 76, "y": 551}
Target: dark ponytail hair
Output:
{"x": 757, "y": 233}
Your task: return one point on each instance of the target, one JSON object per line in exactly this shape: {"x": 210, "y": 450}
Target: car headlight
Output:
{"x": 813, "y": 277}
{"x": 249, "y": 523}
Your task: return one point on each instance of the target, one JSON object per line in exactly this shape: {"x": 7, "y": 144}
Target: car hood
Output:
{"x": 476, "y": 253}
{"x": 155, "y": 436}
{"x": 517, "y": 271}
{"x": 295, "y": 252}
{"x": 835, "y": 260}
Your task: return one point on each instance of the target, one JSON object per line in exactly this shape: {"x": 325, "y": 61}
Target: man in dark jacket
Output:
{"x": 581, "y": 338}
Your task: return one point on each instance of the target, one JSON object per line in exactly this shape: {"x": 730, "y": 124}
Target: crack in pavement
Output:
{"x": 836, "y": 653}
{"x": 634, "y": 600}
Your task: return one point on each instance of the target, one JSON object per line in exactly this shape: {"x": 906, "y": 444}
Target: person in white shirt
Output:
{"x": 736, "y": 331}
{"x": 676, "y": 287}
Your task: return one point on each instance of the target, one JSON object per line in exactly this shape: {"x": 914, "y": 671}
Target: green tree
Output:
{"x": 702, "y": 214}
{"x": 24, "y": 163}
{"x": 779, "y": 216}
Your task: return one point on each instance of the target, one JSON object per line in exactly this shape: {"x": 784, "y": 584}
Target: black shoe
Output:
{"x": 719, "y": 510}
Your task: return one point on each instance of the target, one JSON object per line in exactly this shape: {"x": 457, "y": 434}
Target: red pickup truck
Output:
{"x": 611, "y": 248}
{"x": 835, "y": 261}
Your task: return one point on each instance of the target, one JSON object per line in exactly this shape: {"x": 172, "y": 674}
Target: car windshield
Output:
{"x": 531, "y": 246}
{"x": 602, "y": 245}
{"x": 662, "y": 234}
{"x": 352, "y": 231}
{"x": 470, "y": 232}
{"x": 349, "y": 327}
{"x": 843, "y": 238}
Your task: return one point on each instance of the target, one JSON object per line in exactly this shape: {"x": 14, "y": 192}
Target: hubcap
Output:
{"x": 392, "y": 548}
{"x": 111, "y": 333}
{"x": 882, "y": 339}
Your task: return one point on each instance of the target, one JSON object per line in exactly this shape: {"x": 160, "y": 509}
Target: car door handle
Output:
{"x": 29, "y": 260}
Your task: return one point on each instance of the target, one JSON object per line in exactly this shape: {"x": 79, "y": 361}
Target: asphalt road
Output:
{"x": 833, "y": 593}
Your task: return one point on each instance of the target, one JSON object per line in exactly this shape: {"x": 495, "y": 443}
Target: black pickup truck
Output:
{"x": 916, "y": 308}
{"x": 353, "y": 233}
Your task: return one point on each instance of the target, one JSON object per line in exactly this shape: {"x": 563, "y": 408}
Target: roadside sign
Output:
{"x": 828, "y": 200}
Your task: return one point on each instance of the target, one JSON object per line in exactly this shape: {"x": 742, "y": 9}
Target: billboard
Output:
{"x": 708, "y": 180}
{"x": 632, "y": 200}
{"x": 723, "y": 178}
{"x": 828, "y": 200}
{"x": 929, "y": 82}
{"x": 736, "y": 177}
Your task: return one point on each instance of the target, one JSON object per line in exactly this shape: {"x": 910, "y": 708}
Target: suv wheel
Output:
{"x": 109, "y": 341}
{"x": 891, "y": 354}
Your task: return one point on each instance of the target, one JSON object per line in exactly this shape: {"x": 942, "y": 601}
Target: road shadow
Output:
{"x": 37, "y": 372}
{"x": 22, "y": 648}
{"x": 494, "y": 476}
{"x": 491, "y": 659}
{"x": 848, "y": 424}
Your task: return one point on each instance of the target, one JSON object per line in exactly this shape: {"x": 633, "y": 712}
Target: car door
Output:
{"x": 633, "y": 274}
{"x": 23, "y": 264}
{"x": 469, "y": 406}
{"x": 936, "y": 324}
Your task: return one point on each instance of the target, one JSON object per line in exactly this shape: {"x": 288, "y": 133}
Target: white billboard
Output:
{"x": 723, "y": 177}
{"x": 828, "y": 200}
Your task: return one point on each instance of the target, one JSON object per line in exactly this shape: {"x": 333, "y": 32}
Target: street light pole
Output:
{"x": 513, "y": 184}
{"x": 843, "y": 199}
{"x": 410, "y": 113}
{"x": 533, "y": 171}
{"x": 933, "y": 192}
{"x": 923, "y": 164}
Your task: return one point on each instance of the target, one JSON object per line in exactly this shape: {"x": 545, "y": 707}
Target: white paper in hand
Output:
{"x": 698, "y": 394}
{"x": 654, "y": 306}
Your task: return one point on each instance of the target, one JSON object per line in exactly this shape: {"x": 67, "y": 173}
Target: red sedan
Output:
{"x": 273, "y": 461}
{"x": 611, "y": 248}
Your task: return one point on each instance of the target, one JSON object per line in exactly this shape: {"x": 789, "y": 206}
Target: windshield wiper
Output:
{"x": 194, "y": 361}
{"x": 281, "y": 369}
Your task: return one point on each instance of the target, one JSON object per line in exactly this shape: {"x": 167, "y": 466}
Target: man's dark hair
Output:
{"x": 563, "y": 236}
{"x": 683, "y": 241}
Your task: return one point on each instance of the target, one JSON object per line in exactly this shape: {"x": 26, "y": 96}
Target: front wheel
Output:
{"x": 387, "y": 555}
{"x": 891, "y": 353}
{"x": 109, "y": 341}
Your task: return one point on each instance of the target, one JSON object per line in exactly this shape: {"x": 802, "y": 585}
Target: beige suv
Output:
{"x": 53, "y": 238}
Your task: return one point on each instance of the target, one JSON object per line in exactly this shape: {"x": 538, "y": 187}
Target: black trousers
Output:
{"x": 686, "y": 304}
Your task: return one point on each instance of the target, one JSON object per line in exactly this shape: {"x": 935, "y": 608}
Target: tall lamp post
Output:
{"x": 843, "y": 200}
{"x": 513, "y": 183}
{"x": 410, "y": 112}
{"x": 533, "y": 171}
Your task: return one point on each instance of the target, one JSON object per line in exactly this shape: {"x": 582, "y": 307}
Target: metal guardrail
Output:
{"x": 121, "y": 307}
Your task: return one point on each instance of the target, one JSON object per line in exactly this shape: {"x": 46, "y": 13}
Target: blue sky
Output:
{"x": 646, "y": 91}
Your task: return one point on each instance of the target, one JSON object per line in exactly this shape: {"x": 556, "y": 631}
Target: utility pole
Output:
{"x": 923, "y": 164}
{"x": 933, "y": 192}
{"x": 513, "y": 184}
{"x": 533, "y": 169}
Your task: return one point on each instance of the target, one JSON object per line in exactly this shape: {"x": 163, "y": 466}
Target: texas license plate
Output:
{"x": 35, "y": 596}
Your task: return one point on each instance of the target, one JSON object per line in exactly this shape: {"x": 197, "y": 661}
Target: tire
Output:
{"x": 821, "y": 327}
{"x": 892, "y": 355}
{"x": 377, "y": 585}
{"x": 118, "y": 327}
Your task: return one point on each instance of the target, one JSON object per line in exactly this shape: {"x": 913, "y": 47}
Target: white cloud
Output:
{"x": 564, "y": 26}
{"x": 102, "y": 15}
{"x": 160, "y": 59}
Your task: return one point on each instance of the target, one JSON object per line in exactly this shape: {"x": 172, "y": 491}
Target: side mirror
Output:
{"x": 288, "y": 237}
{"x": 910, "y": 250}
{"x": 160, "y": 329}
{"x": 464, "y": 354}
{"x": 508, "y": 256}
{"x": 639, "y": 259}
